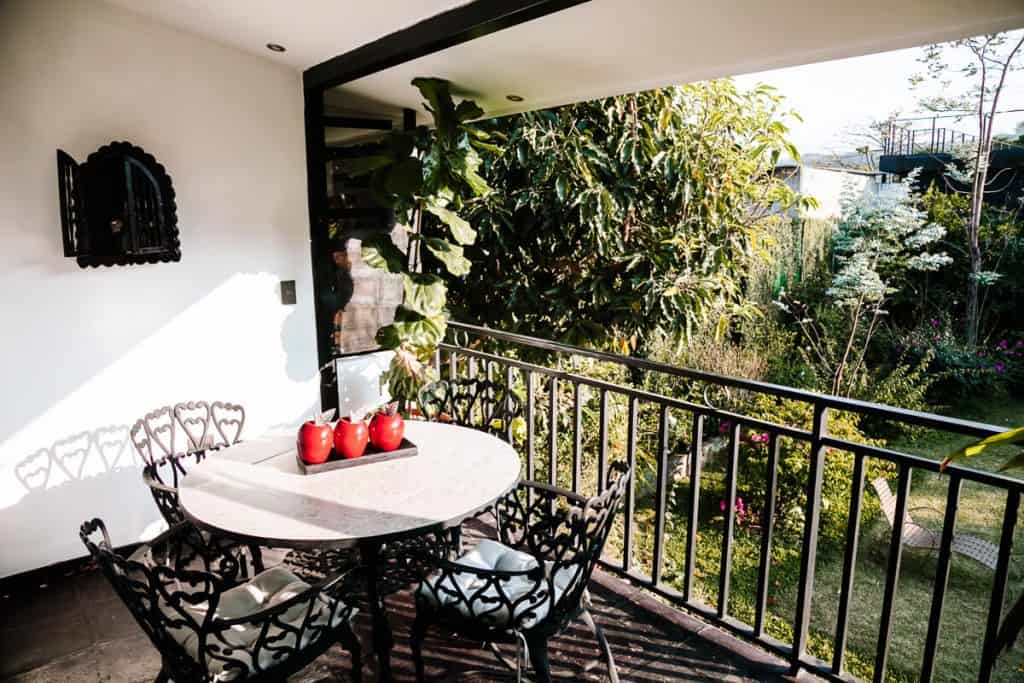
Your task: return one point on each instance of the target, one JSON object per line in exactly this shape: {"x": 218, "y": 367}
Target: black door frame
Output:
{"x": 459, "y": 25}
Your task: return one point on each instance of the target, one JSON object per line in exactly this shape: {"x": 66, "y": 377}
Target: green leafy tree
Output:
{"x": 881, "y": 238}
{"x": 620, "y": 218}
{"x": 987, "y": 65}
{"x": 427, "y": 175}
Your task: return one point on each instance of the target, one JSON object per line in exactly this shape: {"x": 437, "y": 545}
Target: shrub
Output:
{"x": 794, "y": 466}
{"x": 958, "y": 371}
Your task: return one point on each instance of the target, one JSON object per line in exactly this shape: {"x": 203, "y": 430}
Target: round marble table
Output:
{"x": 255, "y": 492}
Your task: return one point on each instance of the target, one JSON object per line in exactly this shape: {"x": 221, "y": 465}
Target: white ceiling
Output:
{"x": 600, "y": 48}
{"x": 311, "y": 30}
{"x": 609, "y": 47}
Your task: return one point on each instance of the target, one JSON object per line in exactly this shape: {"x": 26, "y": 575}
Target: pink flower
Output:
{"x": 721, "y": 505}
{"x": 1000, "y": 368}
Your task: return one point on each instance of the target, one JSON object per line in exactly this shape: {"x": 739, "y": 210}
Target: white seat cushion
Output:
{"x": 263, "y": 591}
{"x": 477, "y": 599}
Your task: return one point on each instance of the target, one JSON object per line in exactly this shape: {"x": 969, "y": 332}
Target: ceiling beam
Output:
{"x": 473, "y": 20}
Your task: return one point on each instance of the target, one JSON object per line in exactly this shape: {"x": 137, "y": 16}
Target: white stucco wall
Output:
{"x": 827, "y": 186}
{"x": 85, "y": 352}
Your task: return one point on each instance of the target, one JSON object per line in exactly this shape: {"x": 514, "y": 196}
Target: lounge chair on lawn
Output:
{"x": 917, "y": 536}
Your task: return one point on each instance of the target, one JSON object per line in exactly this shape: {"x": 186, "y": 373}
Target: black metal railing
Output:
{"x": 903, "y": 140}
{"x": 471, "y": 349}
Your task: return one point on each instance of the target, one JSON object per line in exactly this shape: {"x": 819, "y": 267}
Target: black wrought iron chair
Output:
{"x": 211, "y": 625}
{"x": 477, "y": 403}
{"x": 167, "y": 452}
{"x": 530, "y": 586}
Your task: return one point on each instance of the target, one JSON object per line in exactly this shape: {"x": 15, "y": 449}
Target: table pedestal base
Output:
{"x": 383, "y": 641}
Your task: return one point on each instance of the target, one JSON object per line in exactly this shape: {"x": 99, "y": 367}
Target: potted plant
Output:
{"x": 427, "y": 175}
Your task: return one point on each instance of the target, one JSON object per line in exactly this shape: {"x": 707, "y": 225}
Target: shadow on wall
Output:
{"x": 89, "y": 474}
{"x": 300, "y": 366}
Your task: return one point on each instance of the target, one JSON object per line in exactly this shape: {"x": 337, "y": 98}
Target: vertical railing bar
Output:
{"x": 767, "y": 522}
{"x": 660, "y": 495}
{"x": 892, "y": 572}
{"x": 489, "y": 376}
{"x": 627, "y": 533}
{"x": 553, "y": 433}
{"x": 602, "y": 452}
{"x": 476, "y": 413}
{"x": 437, "y": 361}
{"x": 530, "y": 420}
{"x": 730, "y": 520}
{"x": 696, "y": 464}
{"x": 809, "y": 549}
{"x": 577, "y": 447}
{"x": 509, "y": 379}
{"x": 849, "y": 562}
{"x": 453, "y": 363}
{"x": 995, "y": 608}
{"x": 931, "y": 642}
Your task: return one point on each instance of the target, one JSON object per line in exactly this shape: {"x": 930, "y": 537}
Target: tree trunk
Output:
{"x": 973, "y": 316}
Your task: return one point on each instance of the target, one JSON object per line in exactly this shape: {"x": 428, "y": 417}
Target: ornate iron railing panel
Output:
{"x": 470, "y": 346}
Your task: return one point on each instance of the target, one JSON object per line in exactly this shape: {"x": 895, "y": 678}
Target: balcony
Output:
{"x": 682, "y": 527}
{"x": 929, "y": 145}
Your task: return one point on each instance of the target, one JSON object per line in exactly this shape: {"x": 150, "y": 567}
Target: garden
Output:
{"x": 653, "y": 225}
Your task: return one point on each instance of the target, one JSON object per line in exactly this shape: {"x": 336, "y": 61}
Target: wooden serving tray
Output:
{"x": 406, "y": 449}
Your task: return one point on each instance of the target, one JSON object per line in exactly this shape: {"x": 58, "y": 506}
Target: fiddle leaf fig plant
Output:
{"x": 427, "y": 175}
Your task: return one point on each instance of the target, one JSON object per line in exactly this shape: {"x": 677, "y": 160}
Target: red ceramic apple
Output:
{"x": 350, "y": 437}
{"x": 387, "y": 429}
{"x": 314, "y": 442}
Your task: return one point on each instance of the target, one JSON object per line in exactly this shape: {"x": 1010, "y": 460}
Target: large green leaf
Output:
{"x": 411, "y": 328}
{"x": 380, "y": 252}
{"x": 451, "y": 255}
{"x": 467, "y": 111}
{"x": 465, "y": 163}
{"x": 1010, "y": 436}
{"x": 424, "y": 293}
{"x": 462, "y": 231}
{"x": 438, "y": 93}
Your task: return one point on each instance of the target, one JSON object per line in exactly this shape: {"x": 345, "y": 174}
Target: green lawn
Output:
{"x": 967, "y": 596}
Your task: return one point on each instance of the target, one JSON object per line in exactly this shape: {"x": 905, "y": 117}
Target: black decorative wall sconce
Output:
{"x": 117, "y": 208}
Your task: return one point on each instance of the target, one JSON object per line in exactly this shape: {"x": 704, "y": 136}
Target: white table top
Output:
{"x": 255, "y": 490}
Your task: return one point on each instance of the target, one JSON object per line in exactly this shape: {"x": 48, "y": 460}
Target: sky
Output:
{"x": 839, "y": 96}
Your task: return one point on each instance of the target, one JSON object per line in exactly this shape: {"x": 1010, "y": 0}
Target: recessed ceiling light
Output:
{"x": 274, "y": 47}
{"x": 514, "y": 98}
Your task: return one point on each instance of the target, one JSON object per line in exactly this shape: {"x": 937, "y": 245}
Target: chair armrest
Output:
{"x": 548, "y": 488}
{"x": 157, "y": 486}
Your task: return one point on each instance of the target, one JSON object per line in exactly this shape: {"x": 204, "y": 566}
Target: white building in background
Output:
{"x": 826, "y": 185}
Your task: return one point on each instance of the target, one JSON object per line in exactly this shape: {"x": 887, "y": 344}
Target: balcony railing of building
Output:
{"x": 551, "y": 369}
{"x": 903, "y": 139}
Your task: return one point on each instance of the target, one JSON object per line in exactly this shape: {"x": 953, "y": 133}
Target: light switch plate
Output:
{"x": 288, "y": 292}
